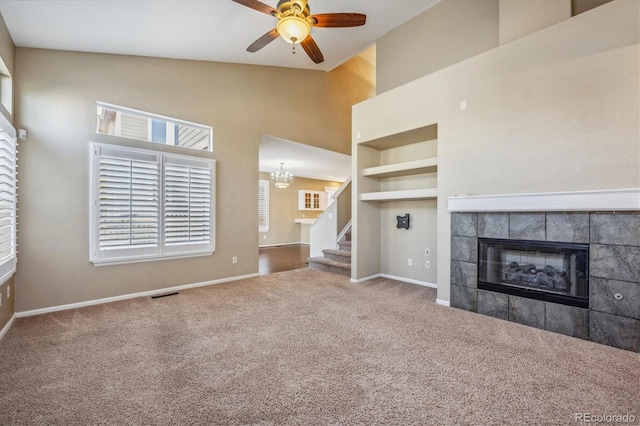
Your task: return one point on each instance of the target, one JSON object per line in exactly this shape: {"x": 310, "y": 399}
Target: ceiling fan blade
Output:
{"x": 339, "y": 20}
{"x": 263, "y": 41}
{"x": 309, "y": 45}
{"x": 256, "y": 5}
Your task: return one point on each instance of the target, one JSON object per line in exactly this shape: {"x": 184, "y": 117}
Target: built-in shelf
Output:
{"x": 407, "y": 194}
{"x": 424, "y": 165}
{"x": 408, "y": 137}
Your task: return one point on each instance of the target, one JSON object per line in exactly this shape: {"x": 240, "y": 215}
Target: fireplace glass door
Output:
{"x": 556, "y": 272}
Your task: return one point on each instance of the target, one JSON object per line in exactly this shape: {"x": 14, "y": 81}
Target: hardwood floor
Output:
{"x": 282, "y": 258}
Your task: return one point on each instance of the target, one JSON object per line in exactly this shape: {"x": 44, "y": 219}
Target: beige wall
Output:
{"x": 455, "y": 30}
{"x": 447, "y": 33}
{"x": 398, "y": 245}
{"x": 283, "y": 210}
{"x": 519, "y": 18}
{"x": 56, "y": 93}
{"x": 555, "y": 111}
{"x": 7, "y": 53}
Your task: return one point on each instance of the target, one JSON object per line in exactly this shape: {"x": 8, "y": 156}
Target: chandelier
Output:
{"x": 281, "y": 179}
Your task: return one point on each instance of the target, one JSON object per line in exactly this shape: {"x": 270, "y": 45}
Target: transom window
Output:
{"x": 149, "y": 205}
{"x": 145, "y": 126}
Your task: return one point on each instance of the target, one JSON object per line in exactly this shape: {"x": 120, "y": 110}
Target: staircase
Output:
{"x": 336, "y": 261}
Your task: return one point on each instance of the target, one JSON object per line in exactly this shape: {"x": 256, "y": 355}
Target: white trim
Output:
{"x": 598, "y": 200}
{"x": 128, "y": 296}
{"x": 361, "y": 280}
{"x": 443, "y": 302}
{"x": 139, "y": 259}
{"x": 7, "y": 326}
{"x": 397, "y": 278}
{"x": 6, "y": 277}
{"x": 342, "y": 188}
{"x": 409, "y": 280}
{"x": 344, "y": 230}
{"x": 6, "y": 126}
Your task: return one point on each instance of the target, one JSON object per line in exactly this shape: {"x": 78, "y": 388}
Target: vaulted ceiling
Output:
{"x": 210, "y": 30}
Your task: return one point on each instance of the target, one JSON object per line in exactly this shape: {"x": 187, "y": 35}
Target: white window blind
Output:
{"x": 263, "y": 205}
{"x": 148, "y": 205}
{"x": 8, "y": 191}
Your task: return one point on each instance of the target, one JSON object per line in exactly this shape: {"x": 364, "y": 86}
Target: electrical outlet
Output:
{"x": 0, "y": 299}
{"x": 234, "y": 259}
{"x": 264, "y": 237}
{"x": 8, "y": 292}
{"x": 410, "y": 262}
{"x": 427, "y": 252}
{"x": 427, "y": 264}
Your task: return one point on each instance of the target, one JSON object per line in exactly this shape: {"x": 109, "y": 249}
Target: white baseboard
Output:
{"x": 127, "y": 296}
{"x": 409, "y": 280}
{"x": 442, "y": 302}
{"x": 394, "y": 277}
{"x": 361, "y": 280}
{"x": 7, "y": 326}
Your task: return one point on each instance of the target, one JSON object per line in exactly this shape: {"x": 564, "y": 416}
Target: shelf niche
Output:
{"x": 402, "y": 166}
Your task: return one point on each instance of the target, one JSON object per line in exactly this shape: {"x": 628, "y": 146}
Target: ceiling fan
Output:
{"x": 295, "y": 22}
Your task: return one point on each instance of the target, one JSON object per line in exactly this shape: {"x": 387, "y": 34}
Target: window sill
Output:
{"x": 6, "y": 277}
{"x": 111, "y": 262}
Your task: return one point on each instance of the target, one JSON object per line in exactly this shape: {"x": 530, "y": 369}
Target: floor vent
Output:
{"x": 164, "y": 295}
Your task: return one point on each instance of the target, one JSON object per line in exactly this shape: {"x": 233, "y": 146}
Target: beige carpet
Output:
{"x": 303, "y": 347}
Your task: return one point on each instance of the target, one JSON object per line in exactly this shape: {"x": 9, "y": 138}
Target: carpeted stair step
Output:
{"x": 343, "y": 256}
{"x": 327, "y": 265}
{"x": 344, "y": 245}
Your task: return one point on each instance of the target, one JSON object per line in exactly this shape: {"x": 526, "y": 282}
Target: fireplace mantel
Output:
{"x": 597, "y": 200}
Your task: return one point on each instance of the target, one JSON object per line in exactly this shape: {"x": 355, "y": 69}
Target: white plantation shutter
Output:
{"x": 188, "y": 189}
{"x": 263, "y": 205}
{"x": 150, "y": 205}
{"x": 8, "y": 172}
{"x": 127, "y": 204}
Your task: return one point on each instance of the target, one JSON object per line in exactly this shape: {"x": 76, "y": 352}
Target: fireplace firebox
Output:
{"x": 543, "y": 270}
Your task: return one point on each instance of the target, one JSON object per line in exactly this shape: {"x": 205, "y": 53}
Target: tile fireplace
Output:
{"x": 571, "y": 272}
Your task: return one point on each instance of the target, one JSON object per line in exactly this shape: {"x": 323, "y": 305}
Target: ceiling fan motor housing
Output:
{"x": 294, "y": 7}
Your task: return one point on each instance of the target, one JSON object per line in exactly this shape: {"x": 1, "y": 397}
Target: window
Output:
{"x": 263, "y": 205}
{"x": 6, "y": 87}
{"x": 8, "y": 173}
{"x": 149, "y": 205}
{"x": 130, "y": 123}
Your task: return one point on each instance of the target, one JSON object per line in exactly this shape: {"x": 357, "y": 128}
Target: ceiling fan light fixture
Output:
{"x": 293, "y": 29}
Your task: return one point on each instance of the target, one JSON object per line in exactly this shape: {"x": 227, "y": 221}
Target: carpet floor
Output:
{"x": 303, "y": 347}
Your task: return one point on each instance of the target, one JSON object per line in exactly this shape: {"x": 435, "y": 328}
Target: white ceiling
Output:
{"x": 209, "y": 30}
{"x": 303, "y": 160}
